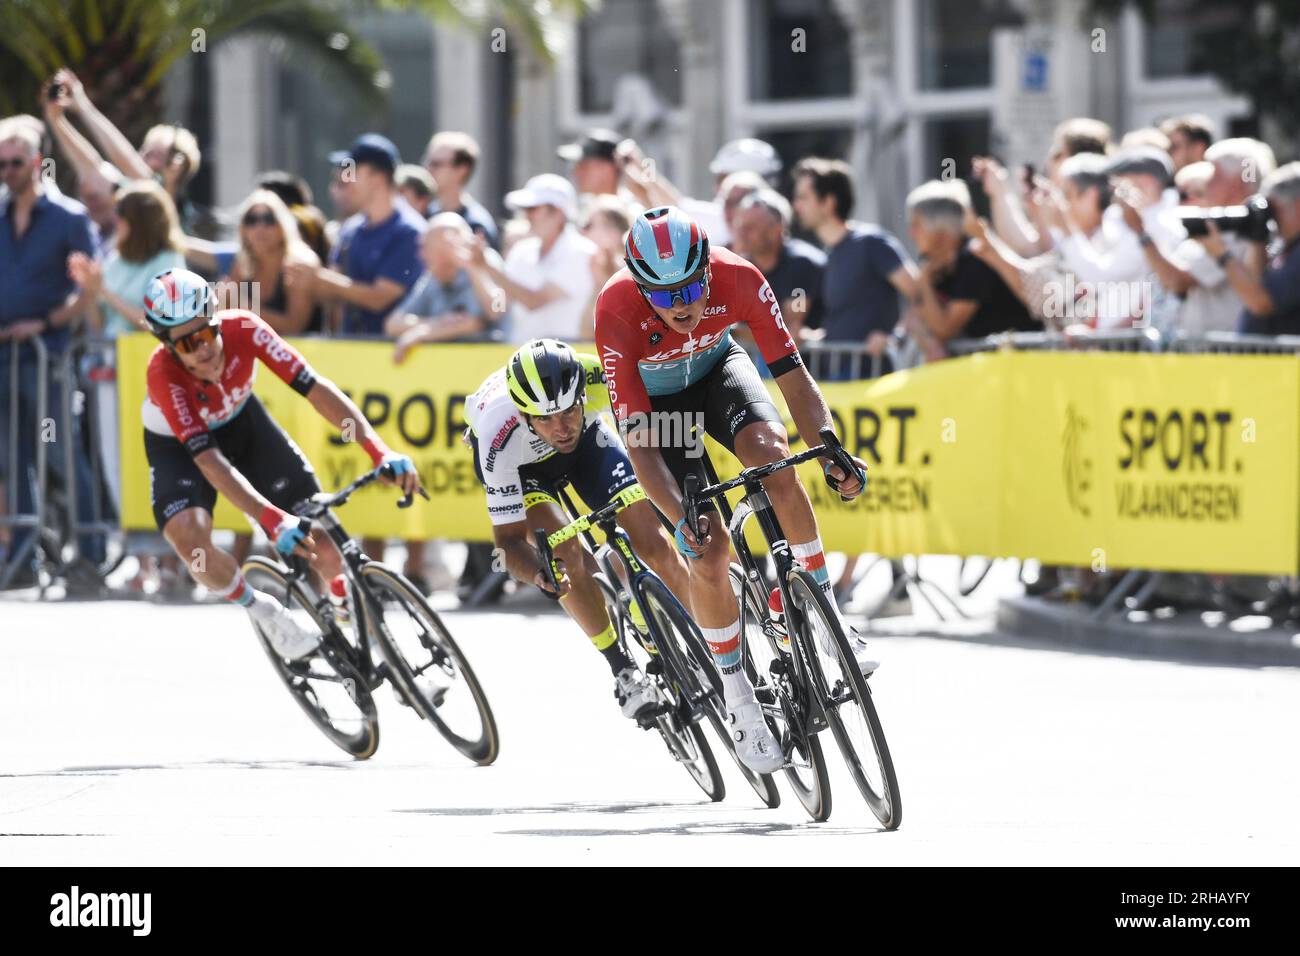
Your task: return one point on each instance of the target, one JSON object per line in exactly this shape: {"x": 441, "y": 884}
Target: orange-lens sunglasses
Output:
{"x": 193, "y": 341}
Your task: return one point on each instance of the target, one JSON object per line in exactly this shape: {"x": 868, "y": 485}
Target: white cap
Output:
{"x": 547, "y": 189}
{"x": 746, "y": 155}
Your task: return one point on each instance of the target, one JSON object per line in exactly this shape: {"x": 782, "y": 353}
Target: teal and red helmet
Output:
{"x": 175, "y": 297}
{"x": 665, "y": 247}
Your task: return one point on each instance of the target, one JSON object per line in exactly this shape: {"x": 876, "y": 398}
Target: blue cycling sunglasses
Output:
{"x": 663, "y": 299}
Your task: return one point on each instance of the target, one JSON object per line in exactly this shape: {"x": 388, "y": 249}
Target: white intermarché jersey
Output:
{"x": 505, "y": 442}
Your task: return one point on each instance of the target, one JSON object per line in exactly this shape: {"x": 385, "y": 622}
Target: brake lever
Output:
{"x": 842, "y": 458}
{"x": 548, "y": 562}
{"x": 690, "y": 505}
{"x": 407, "y": 500}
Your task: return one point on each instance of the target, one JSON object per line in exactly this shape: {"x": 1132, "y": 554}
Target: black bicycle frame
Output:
{"x": 756, "y": 503}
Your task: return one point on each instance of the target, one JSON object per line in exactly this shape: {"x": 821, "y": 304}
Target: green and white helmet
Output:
{"x": 545, "y": 377}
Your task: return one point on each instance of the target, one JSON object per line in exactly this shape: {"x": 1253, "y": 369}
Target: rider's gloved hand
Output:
{"x": 837, "y": 483}
{"x": 289, "y": 533}
{"x": 399, "y": 469}
{"x": 684, "y": 546}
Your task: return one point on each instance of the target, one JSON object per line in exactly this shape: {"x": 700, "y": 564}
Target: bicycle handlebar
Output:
{"x": 546, "y": 543}
{"x": 829, "y": 448}
{"x": 322, "y": 502}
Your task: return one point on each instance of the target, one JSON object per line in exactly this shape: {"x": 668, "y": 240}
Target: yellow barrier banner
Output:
{"x": 1171, "y": 462}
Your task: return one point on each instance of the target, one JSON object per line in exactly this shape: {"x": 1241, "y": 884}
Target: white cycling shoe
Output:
{"x": 755, "y": 746}
{"x": 861, "y": 653}
{"x": 635, "y": 694}
{"x": 285, "y": 636}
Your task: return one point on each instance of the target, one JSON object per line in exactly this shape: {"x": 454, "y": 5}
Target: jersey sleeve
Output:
{"x": 276, "y": 354}
{"x": 173, "y": 398}
{"x": 618, "y": 347}
{"x": 760, "y": 310}
{"x": 498, "y": 462}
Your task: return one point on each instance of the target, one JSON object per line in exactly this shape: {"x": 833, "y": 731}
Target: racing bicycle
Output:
{"x": 686, "y": 684}
{"x": 808, "y": 679}
{"x": 386, "y": 614}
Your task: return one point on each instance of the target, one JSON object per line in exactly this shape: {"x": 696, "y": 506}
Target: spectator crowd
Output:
{"x": 1171, "y": 228}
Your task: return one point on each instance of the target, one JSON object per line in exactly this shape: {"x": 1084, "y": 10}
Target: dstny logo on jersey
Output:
{"x": 77, "y": 909}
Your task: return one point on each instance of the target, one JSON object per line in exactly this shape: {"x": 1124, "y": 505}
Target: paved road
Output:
{"x": 140, "y": 734}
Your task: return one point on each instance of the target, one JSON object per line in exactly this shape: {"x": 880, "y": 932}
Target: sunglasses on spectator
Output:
{"x": 260, "y": 219}
{"x": 668, "y": 298}
{"x": 16, "y": 163}
{"x": 193, "y": 341}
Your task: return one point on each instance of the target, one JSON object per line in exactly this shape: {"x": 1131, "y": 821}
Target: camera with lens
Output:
{"x": 1250, "y": 220}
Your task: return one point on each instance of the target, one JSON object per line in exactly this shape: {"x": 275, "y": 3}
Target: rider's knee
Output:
{"x": 763, "y": 443}
{"x": 188, "y": 531}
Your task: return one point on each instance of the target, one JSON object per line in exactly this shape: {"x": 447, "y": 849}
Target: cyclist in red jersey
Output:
{"x": 207, "y": 433}
{"x": 663, "y": 335}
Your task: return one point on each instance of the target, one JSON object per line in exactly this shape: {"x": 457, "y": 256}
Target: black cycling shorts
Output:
{"x": 729, "y": 398}
{"x": 598, "y": 468}
{"x": 256, "y": 446}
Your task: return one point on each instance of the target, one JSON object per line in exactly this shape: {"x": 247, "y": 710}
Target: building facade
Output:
{"x": 905, "y": 90}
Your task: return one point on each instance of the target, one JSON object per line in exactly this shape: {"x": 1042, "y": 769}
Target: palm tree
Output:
{"x": 123, "y": 49}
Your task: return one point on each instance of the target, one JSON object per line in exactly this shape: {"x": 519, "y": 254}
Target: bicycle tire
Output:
{"x": 665, "y": 616}
{"x": 482, "y": 748}
{"x": 813, "y": 794}
{"x": 362, "y": 744}
{"x": 884, "y": 800}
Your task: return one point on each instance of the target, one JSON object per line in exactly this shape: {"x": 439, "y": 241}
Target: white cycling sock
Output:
{"x": 724, "y": 644}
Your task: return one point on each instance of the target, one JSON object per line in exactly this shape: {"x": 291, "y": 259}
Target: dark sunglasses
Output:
{"x": 16, "y": 163}
{"x": 667, "y": 299}
{"x": 193, "y": 341}
{"x": 260, "y": 219}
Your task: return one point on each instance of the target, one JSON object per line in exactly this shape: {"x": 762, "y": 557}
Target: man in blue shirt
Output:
{"x": 452, "y": 157}
{"x": 866, "y": 268}
{"x": 39, "y": 229}
{"x": 376, "y": 259}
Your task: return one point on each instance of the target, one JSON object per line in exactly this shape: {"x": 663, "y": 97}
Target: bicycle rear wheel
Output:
{"x": 669, "y": 629}
{"x": 847, "y": 701}
{"x": 806, "y": 773}
{"x": 326, "y": 685}
{"x": 426, "y": 665}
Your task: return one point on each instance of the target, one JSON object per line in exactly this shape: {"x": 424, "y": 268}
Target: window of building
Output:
{"x": 622, "y": 37}
{"x": 950, "y": 142}
{"x": 798, "y": 49}
{"x": 316, "y": 117}
{"x": 1178, "y": 32}
{"x": 956, "y": 42}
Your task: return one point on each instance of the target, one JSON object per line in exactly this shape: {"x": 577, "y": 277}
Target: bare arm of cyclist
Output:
{"x": 341, "y": 412}
{"x": 234, "y": 487}
{"x": 808, "y": 409}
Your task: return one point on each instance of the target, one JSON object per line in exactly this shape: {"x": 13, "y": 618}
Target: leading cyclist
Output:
{"x": 205, "y": 433}
{"x": 535, "y": 424}
{"x": 663, "y": 334}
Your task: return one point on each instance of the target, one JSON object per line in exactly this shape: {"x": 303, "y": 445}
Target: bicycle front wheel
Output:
{"x": 326, "y": 685}
{"x": 669, "y": 629}
{"x": 847, "y": 700}
{"x": 426, "y": 664}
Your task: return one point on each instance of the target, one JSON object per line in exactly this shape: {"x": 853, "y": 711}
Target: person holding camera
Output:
{"x": 1271, "y": 300}
{"x": 1210, "y": 303}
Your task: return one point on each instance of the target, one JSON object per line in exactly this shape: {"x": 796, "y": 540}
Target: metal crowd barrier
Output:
{"x": 1117, "y": 340}
{"x": 78, "y": 437}
{"x": 97, "y": 359}
{"x": 14, "y": 519}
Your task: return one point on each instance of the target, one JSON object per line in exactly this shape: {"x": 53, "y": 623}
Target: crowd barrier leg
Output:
{"x": 25, "y": 487}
